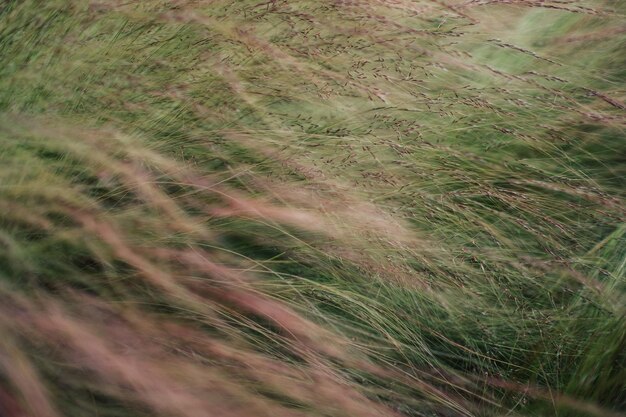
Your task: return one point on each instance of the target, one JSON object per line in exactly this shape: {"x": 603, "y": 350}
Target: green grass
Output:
{"x": 303, "y": 208}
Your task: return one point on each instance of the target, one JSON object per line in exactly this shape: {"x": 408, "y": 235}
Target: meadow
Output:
{"x": 334, "y": 208}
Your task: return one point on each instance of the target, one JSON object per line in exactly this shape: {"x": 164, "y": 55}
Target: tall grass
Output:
{"x": 303, "y": 208}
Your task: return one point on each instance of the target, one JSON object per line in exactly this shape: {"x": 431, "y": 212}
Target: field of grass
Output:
{"x": 334, "y": 208}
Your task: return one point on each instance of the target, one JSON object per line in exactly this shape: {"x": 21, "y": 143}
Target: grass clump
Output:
{"x": 335, "y": 208}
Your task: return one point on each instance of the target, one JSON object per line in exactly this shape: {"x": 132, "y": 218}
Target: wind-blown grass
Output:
{"x": 333, "y": 208}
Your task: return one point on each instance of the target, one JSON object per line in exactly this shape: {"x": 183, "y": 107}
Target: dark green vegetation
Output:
{"x": 312, "y": 208}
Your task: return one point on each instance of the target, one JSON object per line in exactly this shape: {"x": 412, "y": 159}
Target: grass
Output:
{"x": 334, "y": 208}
